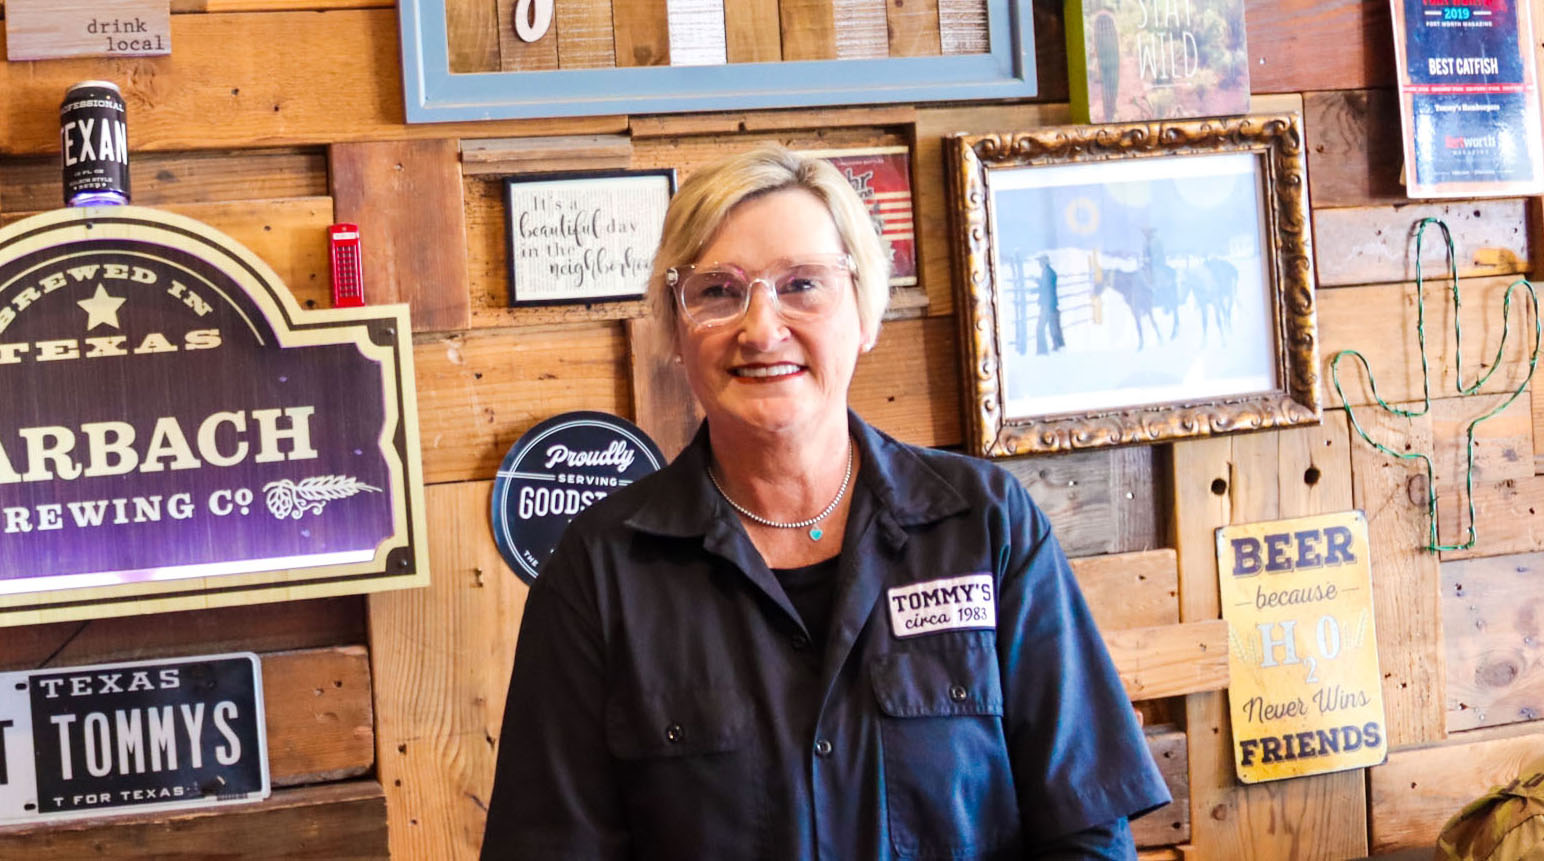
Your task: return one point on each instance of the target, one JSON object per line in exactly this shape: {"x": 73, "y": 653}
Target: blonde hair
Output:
{"x": 705, "y": 201}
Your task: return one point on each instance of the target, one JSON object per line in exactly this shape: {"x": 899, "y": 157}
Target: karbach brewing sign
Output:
{"x": 148, "y": 735}
{"x": 178, "y": 432}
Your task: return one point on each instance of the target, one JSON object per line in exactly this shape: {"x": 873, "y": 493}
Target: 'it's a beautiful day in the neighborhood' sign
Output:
{"x": 177, "y": 432}
{"x": 1306, "y": 696}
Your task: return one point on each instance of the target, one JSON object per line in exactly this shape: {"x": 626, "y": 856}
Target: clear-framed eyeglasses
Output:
{"x": 715, "y": 294}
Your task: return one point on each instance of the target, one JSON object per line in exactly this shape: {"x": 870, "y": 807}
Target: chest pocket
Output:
{"x": 948, "y": 780}
{"x": 687, "y": 743}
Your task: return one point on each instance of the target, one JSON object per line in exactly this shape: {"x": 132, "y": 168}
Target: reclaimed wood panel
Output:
{"x": 439, "y": 714}
{"x": 1130, "y": 590}
{"x": 1379, "y": 321}
{"x": 907, "y": 385}
{"x": 330, "y": 822}
{"x": 179, "y": 6}
{"x": 1406, "y": 581}
{"x": 1376, "y": 244}
{"x": 914, "y": 28}
{"x": 472, "y": 35}
{"x": 1491, "y": 612}
{"x": 1202, "y": 484}
{"x": 157, "y": 179}
{"x": 663, "y": 403}
{"x": 1417, "y": 791}
{"x": 1503, "y": 454}
{"x": 1300, "y": 45}
{"x": 1171, "y": 824}
{"x": 808, "y": 28}
{"x": 1315, "y": 467}
{"x": 406, "y": 198}
{"x": 1355, "y": 147}
{"x": 697, "y": 33}
{"x": 752, "y": 31}
{"x": 1170, "y": 660}
{"x": 642, "y": 32}
{"x": 861, "y": 29}
{"x": 478, "y": 392}
{"x": 293, "y": 92}
{"x": 518, "y": 55}
{"x": 289, "y": 235}
{"x": 1098, "y": 501}
{"x": 963, "y": 26}
{"x": 837, "y": 121}
{"x": 1510, "y": 515}
{"x": 584, "y": 30}
{"x": 1325, "y": 815}
{"x": 506, "y": 156}
{"x": 309, "y": 624}
{"x": 321, "y": 725}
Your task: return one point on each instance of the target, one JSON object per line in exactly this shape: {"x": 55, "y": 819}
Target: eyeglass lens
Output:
{"x": 720, "y": 294}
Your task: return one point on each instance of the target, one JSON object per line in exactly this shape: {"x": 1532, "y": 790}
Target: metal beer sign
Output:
{"x": 1306, "y": 696}
{"x": 179, "y": 433}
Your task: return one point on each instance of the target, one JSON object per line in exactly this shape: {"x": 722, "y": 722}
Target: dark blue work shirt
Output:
{"x": 666, "y": 701}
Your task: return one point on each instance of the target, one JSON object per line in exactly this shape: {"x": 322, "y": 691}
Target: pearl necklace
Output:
{"x": 815, "y": 533}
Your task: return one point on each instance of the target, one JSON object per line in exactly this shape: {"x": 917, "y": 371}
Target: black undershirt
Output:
{"x": 812, "y": 590}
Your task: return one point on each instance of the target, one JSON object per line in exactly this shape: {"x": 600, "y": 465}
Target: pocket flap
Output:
{"x": 939, "y": 682}
{"x": 675, "y": 723}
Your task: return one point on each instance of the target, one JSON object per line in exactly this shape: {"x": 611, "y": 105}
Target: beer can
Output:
{"x": 93, "y": 132}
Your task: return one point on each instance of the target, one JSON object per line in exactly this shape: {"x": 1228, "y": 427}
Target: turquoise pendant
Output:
{"x": 815, "y": 533}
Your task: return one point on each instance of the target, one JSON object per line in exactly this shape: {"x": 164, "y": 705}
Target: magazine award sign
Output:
{"x": 1306, "y": 696}
{"x": 556, "y": 470}
{"x": 179, "y": 433}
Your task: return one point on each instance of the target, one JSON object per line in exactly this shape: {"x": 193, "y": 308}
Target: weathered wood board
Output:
{"x": 399, "y": 193}
{"x": 1416, "y": 791}
{"x": 1130, "y": 590}
{"x": 439, "y": 728}
{"x": 257, "y": 627}
{"x": 1099, "y": 501}
{"x": 1376, "y": 244}
{"x": 1492, "y": 609}
{"x": 1406, "y": 582}
{"x": 334, "y": 821}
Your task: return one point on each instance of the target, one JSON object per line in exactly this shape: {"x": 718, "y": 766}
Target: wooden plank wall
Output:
{"x": 387, "y": 710}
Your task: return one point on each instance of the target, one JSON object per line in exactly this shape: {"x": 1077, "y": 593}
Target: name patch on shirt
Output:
{"x": 967, "y": 601}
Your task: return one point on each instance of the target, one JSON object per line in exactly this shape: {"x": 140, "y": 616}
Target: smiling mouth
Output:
{"x": 765, "y": 372}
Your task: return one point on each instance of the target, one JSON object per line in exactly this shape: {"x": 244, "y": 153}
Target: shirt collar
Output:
{"x": 683, "y": 502}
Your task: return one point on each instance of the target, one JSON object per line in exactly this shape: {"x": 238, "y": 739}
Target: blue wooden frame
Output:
{"x": 433, "y": 94}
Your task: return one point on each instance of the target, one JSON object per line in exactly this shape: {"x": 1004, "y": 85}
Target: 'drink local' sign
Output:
{"x": 176, "y": 426}
{"x": 1306, "y": 696}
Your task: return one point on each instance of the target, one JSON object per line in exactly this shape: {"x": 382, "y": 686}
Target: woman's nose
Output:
{"x": 763, "y": 324}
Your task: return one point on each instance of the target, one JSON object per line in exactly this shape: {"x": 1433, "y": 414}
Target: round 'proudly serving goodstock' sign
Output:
{"x": 558, "y": 469}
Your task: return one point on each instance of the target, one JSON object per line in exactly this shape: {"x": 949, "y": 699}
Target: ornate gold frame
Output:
{"x": 1278, "y": 141}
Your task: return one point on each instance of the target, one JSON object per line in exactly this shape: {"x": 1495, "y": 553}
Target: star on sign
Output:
{"x": 101, "y": 309}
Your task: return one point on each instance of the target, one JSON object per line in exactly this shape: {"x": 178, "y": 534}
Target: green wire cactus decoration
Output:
{"x": 1432, "y": 543}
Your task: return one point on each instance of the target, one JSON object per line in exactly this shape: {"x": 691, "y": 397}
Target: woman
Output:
{"x": 803, "y": 639}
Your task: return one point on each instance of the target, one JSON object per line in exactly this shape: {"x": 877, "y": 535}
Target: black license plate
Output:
{"x": 131, "y": 737}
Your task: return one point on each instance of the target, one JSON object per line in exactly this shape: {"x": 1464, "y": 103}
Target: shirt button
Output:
{"x": 823, "y": 748}
{"x": 801, "y": 642}
{"x": 674, "y": 733}
{"x": 958, "y": 693}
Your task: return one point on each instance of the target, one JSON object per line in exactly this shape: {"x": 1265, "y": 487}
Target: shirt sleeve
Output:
{"x": 554, "y": 791}
{"x": 1079, "y": 757}
{"x": 1109, "y": 842}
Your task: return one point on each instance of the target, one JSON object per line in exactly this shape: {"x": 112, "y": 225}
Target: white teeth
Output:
{"x": 781, "y": 370}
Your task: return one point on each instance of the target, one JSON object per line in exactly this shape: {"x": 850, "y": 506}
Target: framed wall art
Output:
{"x": 1133, "y": 283}
{"x": 537, "y": 58}
{"x": 584, "y": 237}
